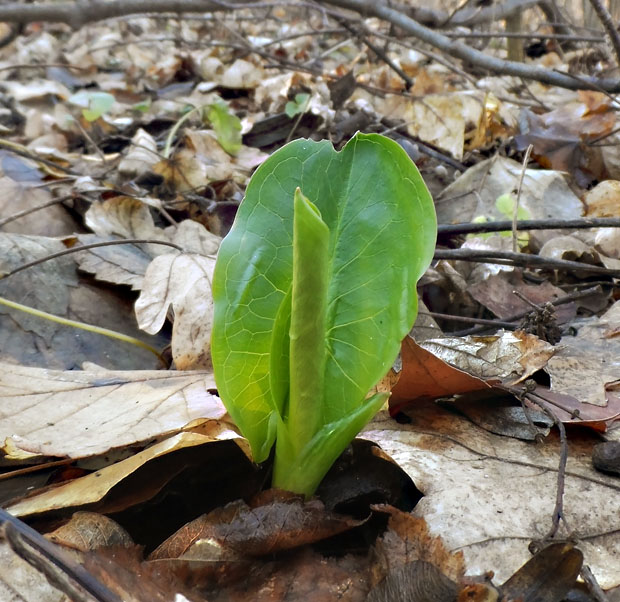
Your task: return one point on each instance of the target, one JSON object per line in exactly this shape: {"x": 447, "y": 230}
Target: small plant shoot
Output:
{"x": 314, "y": 290}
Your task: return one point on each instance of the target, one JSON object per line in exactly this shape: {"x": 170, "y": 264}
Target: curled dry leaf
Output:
{"x": 183, "y": 282}
{"x": 238, "y": 530}
{"x": 90, "y": 531}
{"x": 547, "y": 577}
{"x": 424, "y": 375}
{"x": 408, "y": 539}
{"x": 96, "y": 486}
{"x": 141, "y": 157}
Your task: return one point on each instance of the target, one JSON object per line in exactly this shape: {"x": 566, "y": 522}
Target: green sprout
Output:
{"x": 94, "y": 103}
{"x": 314, "y": 289}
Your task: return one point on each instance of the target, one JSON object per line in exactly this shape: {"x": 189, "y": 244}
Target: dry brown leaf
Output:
{"x": 281, "y": 522}
{"x": 118, "y": 264}
{"x": 53, "y": 287}
{"x": 90, "y": 531}
{"x": 17, "y": 196}
{"x": 543, "y": 193}
{"x": 489, "y": 495}
{"x": 127, "y": 217}
{"x": 95, "y": 486}
{"x": 603, "y": 200}
{"x": 408, "y": 538}
{"x": 584, "y": 367}
{"x": 425, "y": 375}
{"x": 496, "y": 294}
{"x": 141, "y": 157}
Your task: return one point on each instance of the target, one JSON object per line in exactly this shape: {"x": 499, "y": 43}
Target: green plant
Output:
{"x": 226, "y": 125}
{"x": 297, "y": 106}
{"x": 94, "y": 103}
{"x": 314, "y": 289}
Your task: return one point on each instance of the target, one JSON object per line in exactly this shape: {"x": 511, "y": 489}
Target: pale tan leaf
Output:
{"x": 76, "y": 414}
{"x": 93, "y": 487}
{"x": 141, "y": 157}
{"x": 126, "y": 217}
{"x": 183, "y": 282}
{"x": 194, "y": 238}
{"x": 489, "y": 495}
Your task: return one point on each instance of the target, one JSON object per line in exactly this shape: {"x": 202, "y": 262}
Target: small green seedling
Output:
{"x": 297, "y": 106}
{"x": 94, "y": 103}
{"x": 314, "y": 290}
{"x": 505, "y": 204}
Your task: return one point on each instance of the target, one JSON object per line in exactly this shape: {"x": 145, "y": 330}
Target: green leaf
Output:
{"x": 227, "y": 126}
{"x": 95, "y": 104}
{"x": 382, "y": 227}
{"x": 308, "y": 321}
{"x": 506, "y": 204}
{"x": 299, "y": 105}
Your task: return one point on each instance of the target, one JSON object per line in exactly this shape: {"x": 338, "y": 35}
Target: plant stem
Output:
{"x": 81, "y": 325}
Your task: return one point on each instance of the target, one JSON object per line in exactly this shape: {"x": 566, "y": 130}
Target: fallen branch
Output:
{"x": 529, "y": 224}
{"x": 522, "y": 259}
{"x": 81, "y": 12}
{"x": 475, "y": 57}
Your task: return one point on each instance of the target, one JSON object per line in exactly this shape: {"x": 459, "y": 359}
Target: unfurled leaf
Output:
{"x": 299, "y": 105}
{"x": 95, "y": 104}
{"x": 226, "y": 125}
{"x": 313, "y": 292}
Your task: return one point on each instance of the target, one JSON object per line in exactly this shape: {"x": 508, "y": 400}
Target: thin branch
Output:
{"x": 522, "y": 259}
{"x": 529, "y": 224}
{"x": 466, "y": 320}
{"x": 20, "y": 532}
{"x": 515, "y": 211}
{"x": 522, "y": 35}
{"x": 363, "y": 37}
{"x": 569, "y": 298}
{"x": 608, "y": 25}
{"x": 472, "y": 56}
{"x": 94, "y": 245}
{"x": 558, "y": 511}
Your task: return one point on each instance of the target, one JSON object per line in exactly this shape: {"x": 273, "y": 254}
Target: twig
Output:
{"x": 592, "y": 584}
{"x": 94, "y": 245}
{"x": 106, "y": 332}
{"x": 44, "y": 65}
{"x": 558, "y": 512}
{"x": 378, "y": 51}
{"x": 515, "y": 211}
{"x": 11, "y": 218}
{"x": 608, "y": 24}
{"x": 529, "y": 224}
{"x": 20, "y": 535}
{"x": 398, "y": 126}
{"x": 519, "y": 315}
{"x": 528, "y": 392}
{"x": 521, "y": 35}
{"x": 22, "y": 151}
{"x": 495, "y": 323}
{"x": 521, "y": 259}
